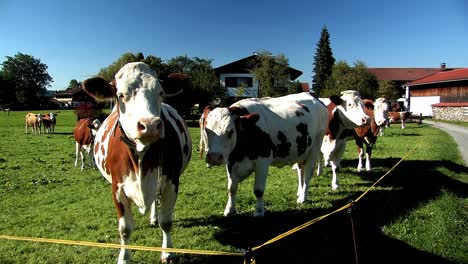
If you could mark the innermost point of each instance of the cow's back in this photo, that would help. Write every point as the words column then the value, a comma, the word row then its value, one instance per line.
column 290, row 122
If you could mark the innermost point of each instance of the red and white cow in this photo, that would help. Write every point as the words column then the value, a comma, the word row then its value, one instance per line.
column 367, row 135
column 381, row 108
column 395, row 116
column 345, row 113
column 202, row 146
column 49, row 122
column 141, row 148
column 253, row 134
column 84, row 133
column 34, row 121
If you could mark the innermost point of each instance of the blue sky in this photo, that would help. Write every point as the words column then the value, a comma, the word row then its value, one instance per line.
column 78, row 38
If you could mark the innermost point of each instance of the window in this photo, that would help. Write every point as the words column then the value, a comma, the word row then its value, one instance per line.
column 238, row 81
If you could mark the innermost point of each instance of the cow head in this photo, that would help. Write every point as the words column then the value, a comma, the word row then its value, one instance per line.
column 94, row 126
column 350, row 107
column 139, row 95
column 381, row 111
column 222, row 127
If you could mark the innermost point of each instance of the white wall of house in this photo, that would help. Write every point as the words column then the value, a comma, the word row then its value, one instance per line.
column 234, row 91
column 422, row 104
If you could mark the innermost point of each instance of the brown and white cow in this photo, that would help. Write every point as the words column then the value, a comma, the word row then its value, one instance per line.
column 141, row 148
column 34, row 121
column 202, row 146
column 367, row 135
column 396, row 116
column 84, row 133
column 49, row 121
column 381, row 108
column 345, row 114
column 253, row 134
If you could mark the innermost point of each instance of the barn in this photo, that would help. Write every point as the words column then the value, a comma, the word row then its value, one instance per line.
column 443, row 95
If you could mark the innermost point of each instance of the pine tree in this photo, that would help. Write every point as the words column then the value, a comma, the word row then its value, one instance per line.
column 323, row 61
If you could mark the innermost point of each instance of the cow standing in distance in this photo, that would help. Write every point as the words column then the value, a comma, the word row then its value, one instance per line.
column 141, row 148
column 34, row 121
column 84, row 133
column 344, row 114
column 253, row 134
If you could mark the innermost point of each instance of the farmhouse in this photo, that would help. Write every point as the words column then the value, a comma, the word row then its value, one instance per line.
column 73, row 97
column 443, row 95
column 237, row 74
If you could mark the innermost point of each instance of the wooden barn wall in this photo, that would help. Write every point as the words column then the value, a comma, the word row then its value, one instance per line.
column 448, row 94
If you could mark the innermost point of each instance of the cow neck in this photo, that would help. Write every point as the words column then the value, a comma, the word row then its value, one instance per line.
column 123, row 136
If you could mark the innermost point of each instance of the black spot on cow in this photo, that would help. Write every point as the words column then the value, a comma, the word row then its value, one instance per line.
column 299, row 113
column 305, row 108
column 302, row 139
column 284, row 147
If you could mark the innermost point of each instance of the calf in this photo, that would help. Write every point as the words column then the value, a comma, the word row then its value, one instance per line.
column 141, row 149
column 253, row 134
column 345, row 114
column 84, row 133
column 34, row 121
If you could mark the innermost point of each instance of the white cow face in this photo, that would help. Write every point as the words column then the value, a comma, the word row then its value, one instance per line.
column 221, row 136
column 139, row 96
column 352, row 109
column 95, row 127
column 381, row 109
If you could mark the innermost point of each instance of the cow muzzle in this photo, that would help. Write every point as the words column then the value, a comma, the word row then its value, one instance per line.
column 149, row 130
column 214, row 158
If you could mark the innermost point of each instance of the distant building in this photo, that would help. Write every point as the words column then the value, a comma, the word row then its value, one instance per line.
column 443, row 95
column 238, row 74
column 73, row 97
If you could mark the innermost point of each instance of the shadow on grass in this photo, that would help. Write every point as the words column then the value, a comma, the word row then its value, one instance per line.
column 331, row 240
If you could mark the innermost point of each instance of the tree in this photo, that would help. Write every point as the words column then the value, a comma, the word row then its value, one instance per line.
column 28, row 77
column 323, row 61
column 357, row 78
column 388, row 89
column 295, row 87
column 272, row 74
column 108, row 73
column 73, row 83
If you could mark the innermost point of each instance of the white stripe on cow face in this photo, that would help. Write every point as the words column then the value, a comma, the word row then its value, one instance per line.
column 221, row 136
column 140, row 96
column 381, row 111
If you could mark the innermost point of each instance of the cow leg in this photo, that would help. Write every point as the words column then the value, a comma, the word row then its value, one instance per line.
column 233, row 184
column 126, row 224
column 153, row 214
column 261, row 172
column 368, row 158
column 165, row 213
column 300, row 178
column 77, row 152
column 360, row 150
column 402, row 124
column 308, row 170
column 319, row 164
column 335, row 159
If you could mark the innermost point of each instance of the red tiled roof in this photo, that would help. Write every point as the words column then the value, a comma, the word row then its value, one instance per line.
column 445, row 76
column 305, row 87
column 450, row 104
column 402, row 74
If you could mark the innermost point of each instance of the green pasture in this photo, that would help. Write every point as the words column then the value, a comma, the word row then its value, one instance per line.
column 419, row 211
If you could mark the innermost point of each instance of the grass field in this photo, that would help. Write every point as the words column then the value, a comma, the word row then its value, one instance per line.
column 419, row 211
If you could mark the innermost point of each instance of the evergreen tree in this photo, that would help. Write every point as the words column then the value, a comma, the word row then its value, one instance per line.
column 323, row 61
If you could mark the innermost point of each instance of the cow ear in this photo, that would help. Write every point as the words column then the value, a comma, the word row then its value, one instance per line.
column 176, row 83
column 336, row 99
column 246, row 121
column 99, row 88
column 369, row 105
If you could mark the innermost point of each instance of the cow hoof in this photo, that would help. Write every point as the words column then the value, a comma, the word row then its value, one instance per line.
column 259, row 214
column 229, row 212
column 335, row 187
column 301, row 199
column 168, row 259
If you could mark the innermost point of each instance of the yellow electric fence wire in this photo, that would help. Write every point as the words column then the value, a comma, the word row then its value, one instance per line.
column 348, row 205
column 118, row 246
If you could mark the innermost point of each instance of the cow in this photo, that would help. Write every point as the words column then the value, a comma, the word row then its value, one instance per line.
column 381, row 108
column 53, row 118
column 34, row 121
column 84, row 133
column 367, row 135
column 344, row 114
column 141, row 148
column 47, row 121
column 253, row 134
column 203, row 138
column 394, row 116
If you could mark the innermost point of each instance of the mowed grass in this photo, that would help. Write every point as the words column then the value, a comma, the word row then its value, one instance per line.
column 418, row 211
